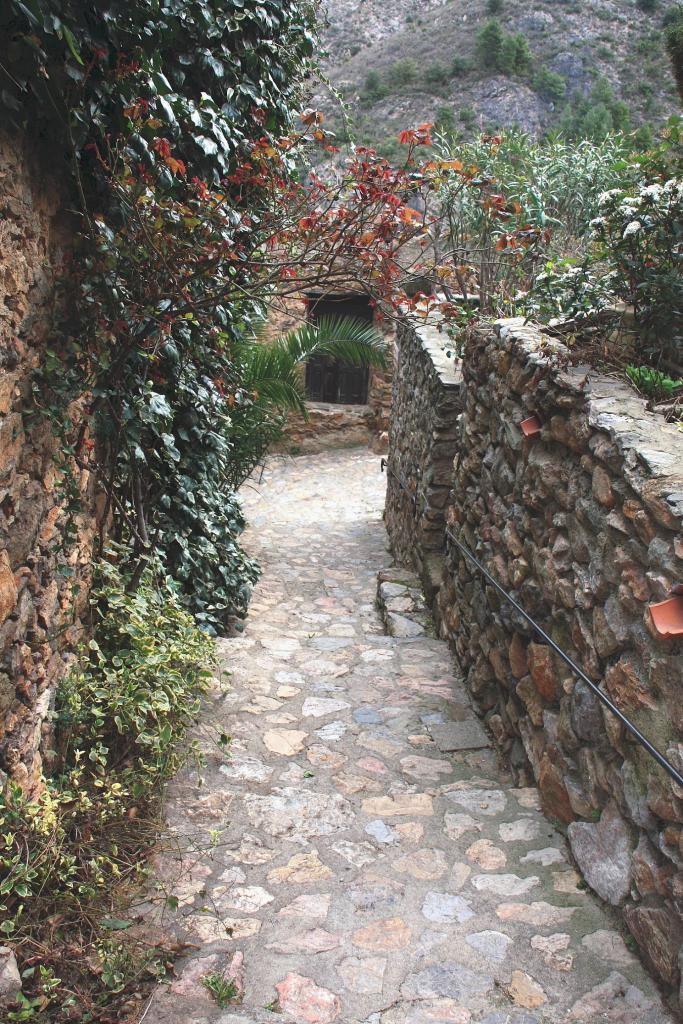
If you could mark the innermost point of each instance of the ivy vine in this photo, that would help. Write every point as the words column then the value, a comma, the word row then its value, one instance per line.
column 148, row 106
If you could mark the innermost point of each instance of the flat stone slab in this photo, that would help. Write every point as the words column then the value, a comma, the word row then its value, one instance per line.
column 451, row 736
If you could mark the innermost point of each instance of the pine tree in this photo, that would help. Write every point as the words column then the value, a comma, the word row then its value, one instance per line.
column 490, row 41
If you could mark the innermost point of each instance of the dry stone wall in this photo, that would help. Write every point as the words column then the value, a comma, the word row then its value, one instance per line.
column 583, row 523
column 43, row 578
column 423, row 439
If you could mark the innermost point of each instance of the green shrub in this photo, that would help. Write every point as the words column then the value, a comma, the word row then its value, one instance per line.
column 647, row 5
column 403, row 72
column 374, row 89
column 134, row 692
column 459, row 66
column 516, row 55
column 505, row 52
column 444, row 120
column 654, row 385
column 549, row 85
column 494, row 6
column 640, row 235
column 596, row 116
column 489, row 45
column 436, row 74
column 468, row 117
column 643, row 137
column 120, row 716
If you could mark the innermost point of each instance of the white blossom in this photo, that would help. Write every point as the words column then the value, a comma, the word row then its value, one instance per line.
column 632, row 228
column 653, row 192
column 605, row 197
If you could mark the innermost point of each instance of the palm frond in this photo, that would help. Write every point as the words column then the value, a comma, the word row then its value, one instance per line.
column 273, row 369
column 350, row 340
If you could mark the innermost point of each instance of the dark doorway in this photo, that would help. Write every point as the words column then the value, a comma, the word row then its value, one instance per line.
column 328, row 379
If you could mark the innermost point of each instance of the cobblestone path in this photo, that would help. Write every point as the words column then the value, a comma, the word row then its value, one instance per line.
column 346, row 861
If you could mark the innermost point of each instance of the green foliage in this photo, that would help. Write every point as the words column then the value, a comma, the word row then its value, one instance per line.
column 596, row 116
column 444, row 120
column 556, row 182
column 654, row 385
column 640, row 235
column 273, row 371
column 648, row 6
column 374, row 89
column 223, row 990
column 501, row 51
column 631, row 256
column 403, row 72
column 206, row 67
column 468, row 117
column 129, row 97
column 516, row 56
column 674, row 43
column 490, row 40
column 436, row 74
column 549, row 84
column 494, row 7
column 120, row 716
column 459, row 66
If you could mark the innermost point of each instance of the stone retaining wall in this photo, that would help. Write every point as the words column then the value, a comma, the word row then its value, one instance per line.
column 423, row 439
column 40, row 573
column 583, row 524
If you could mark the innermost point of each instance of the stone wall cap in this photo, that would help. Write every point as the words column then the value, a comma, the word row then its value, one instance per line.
column 435, row 344
column 652, row 449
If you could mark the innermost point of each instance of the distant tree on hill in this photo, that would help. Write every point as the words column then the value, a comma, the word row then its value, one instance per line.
column 490, row 41
column 501, row 51
column 674, row 44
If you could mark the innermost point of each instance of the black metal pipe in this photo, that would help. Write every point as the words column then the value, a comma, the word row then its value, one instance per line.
column 635, row 732
column 401, row 483
column 602, row 697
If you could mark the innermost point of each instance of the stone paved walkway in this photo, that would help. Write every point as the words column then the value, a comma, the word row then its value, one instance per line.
column 343, row 863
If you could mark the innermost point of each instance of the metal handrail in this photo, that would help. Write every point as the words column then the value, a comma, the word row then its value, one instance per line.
column 384, row 465
column 578, row 672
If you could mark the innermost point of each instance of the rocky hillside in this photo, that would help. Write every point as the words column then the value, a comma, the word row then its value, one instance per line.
column 540, row 63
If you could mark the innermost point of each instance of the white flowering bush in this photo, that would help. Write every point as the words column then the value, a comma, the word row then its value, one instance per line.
column 639, row 238
column 634, row 255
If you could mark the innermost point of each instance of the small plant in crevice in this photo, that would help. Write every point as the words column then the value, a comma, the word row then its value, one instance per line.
column 653, row 384
column 224, row 990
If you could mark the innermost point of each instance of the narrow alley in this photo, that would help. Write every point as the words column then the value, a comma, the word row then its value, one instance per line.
column 358, row 855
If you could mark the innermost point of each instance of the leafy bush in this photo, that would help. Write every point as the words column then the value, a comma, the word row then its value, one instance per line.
column 501, row 51
column 489, row 45
column 403, row 72
column 436, row 74
column 374, row 89
column 596, row 116
column 633, row 255
column 550, row 85
column 146, row 92
column 516, row 56
column 459, row 66
column 468, row 117
column 66, row 856
column 639, row 233
column 494, row 6
column 444, row 120
column 653, row 384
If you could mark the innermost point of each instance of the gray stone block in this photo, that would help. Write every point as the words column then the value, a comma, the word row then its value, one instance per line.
column 468, row 735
